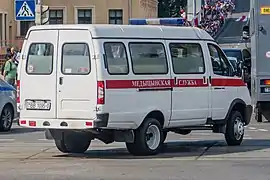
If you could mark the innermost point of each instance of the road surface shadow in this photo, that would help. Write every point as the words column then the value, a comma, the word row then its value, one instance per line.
column 178, row 149
column 20, row 130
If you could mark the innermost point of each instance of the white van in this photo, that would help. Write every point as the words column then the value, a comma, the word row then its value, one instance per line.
column 128, row 84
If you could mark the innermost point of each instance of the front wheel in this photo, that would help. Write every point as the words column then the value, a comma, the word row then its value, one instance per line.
column 258, row 115
column 6, row 118
column 148, row 139
column 235, row 129
column 73, row 142
column 165, row 133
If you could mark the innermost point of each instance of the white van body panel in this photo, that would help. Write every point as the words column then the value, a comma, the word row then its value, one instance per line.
column 76, row 93
column 38, row 86
column 191, row 94
column 130, row 97
column 72, row 99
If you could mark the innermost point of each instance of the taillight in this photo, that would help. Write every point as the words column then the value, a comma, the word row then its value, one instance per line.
column 100, row 92
column 18, row 91
column 267, row 82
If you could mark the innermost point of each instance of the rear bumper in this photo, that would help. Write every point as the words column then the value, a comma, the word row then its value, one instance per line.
column 99, row 122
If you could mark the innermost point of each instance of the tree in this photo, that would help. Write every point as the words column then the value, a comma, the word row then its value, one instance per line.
column 170, row 8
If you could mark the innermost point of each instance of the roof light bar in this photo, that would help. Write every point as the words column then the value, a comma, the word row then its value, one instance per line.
column 157, row 21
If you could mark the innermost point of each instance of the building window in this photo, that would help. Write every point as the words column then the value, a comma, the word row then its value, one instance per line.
column 56, row 16
column 24, row 26
column 84, row 16
column 115, row 16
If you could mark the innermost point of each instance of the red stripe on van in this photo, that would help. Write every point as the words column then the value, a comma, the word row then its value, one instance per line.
column 227, row 82
column 190, row 83
column 142, row 83
column 155, row 83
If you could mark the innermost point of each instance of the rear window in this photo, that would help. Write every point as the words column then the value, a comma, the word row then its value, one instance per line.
column 75, row 59
column 40, row 59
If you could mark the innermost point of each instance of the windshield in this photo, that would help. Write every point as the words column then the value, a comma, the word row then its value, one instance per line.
column 233, row 53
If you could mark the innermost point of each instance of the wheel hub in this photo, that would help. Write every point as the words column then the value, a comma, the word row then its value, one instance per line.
column 152, row 137
column 238, row 128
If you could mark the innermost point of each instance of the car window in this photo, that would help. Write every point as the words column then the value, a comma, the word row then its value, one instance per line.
column 220, row 63
column 40, row 59
column 75, row 59
column 148, row 58
column 187, row 58
column 234, row 53
column 116, row 57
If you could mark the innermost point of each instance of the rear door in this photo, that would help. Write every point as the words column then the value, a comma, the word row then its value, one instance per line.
column 38, row 75
column 76, row 78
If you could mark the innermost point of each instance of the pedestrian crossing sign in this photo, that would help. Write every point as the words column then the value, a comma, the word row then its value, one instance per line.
column 25, row 10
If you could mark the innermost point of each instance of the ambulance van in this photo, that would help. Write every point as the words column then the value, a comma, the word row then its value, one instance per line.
column 132, row 84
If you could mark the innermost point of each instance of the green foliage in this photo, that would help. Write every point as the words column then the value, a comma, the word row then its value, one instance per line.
column 170, row 8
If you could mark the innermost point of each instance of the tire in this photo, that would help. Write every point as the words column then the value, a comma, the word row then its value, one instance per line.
column 165, row 133
column 73, row 142
column 6, row 119
column 235, row 129
column 61, row 146
column 140, row 146
column 258, row 115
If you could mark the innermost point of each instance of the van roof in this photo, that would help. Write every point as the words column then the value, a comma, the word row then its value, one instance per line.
column 133, row 31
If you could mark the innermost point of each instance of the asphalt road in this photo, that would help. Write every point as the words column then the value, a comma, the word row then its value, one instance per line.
column 201, row 155
column 25, row 154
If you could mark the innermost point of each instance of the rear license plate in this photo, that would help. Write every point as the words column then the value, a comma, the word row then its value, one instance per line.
column 267, row 90
column 38, row 104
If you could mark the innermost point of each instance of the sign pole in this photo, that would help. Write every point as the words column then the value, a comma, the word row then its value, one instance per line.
column 38, row 19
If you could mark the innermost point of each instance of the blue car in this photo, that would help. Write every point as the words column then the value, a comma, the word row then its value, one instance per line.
column 8, row 105
column 239, row 54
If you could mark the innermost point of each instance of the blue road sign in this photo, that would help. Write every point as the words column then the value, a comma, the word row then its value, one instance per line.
column 25, row 10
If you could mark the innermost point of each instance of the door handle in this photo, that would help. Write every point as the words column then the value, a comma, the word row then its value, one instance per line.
column 61, row 80
column 204, row 80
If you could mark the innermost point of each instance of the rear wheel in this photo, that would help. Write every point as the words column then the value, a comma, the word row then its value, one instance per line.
column 73, row 142
column 258, row 115
column 148, row 139
column 235, row 129
column 165, row 133
column 6, row 118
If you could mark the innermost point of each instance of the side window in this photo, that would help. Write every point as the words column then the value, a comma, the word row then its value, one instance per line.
column 76, row 59
column 220, row 63
column 148, row 58
column 187, row 58
column 116, row 57
column 40, row 59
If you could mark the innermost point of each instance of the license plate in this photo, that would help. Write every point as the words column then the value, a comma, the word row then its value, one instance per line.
column 38, row 105
column 267, row 90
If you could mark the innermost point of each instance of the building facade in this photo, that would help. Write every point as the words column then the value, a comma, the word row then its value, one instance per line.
column 74, row 11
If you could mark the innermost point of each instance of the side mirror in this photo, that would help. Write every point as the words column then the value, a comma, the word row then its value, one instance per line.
column 245, row 32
